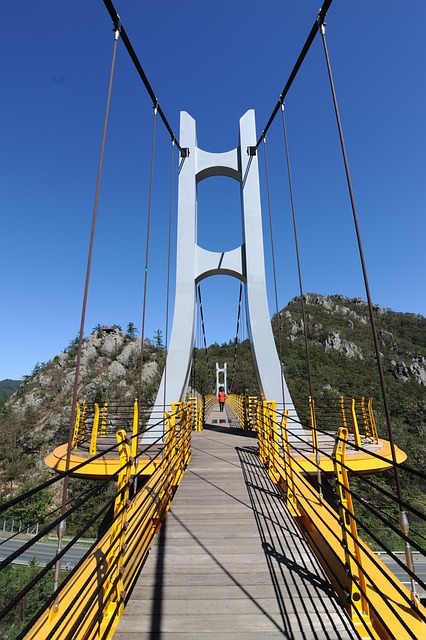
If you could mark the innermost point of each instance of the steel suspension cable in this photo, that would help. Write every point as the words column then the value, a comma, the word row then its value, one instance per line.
column 145, row 284
column 302, row 300
column 274, row 269
column 204, row 333
column 117, row 24
column 403, row 519
column 296, row 245
column 62, row 525
column 198, row 341
column 236, row 336
column 169, row 240
column 311, row 37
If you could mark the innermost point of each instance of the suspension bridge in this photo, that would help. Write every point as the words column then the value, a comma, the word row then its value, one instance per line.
column 247, row 522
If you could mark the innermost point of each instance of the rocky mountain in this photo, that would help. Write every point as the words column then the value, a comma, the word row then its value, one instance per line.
column 36, row 417
column 343, row 360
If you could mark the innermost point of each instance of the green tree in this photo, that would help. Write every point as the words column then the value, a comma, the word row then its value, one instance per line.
column 158, row 339
column 132, row 331
column 13, row 580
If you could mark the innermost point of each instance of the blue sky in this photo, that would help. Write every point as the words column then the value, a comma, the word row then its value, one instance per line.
column 214, row 60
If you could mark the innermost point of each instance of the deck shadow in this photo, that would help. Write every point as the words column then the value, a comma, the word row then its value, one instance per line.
column 306, row 600
column 235, row 431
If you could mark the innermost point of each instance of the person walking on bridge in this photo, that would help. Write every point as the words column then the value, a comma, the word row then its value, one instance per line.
column 221, row 396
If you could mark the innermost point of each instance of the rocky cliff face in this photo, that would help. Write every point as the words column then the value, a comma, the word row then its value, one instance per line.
column 341, row 324
column 109, row 370
column 343, row 361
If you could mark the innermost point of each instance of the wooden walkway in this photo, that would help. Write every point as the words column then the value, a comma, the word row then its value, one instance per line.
column 229, row 562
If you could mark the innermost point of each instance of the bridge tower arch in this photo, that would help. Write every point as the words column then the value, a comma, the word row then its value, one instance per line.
column 221, row 380
column 194, row 263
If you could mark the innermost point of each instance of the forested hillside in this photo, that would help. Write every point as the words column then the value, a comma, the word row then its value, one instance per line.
column 7, row 387
column 343, row 361
column 36, row 417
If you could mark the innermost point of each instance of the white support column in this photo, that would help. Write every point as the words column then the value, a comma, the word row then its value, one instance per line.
column 224, row 382
column 195, row 263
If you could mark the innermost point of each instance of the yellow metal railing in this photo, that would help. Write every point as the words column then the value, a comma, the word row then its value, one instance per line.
column 91, row 602
column 80, row 425
column 237, row 405
column 374, row 598
column 244, row 408
column 210, row 401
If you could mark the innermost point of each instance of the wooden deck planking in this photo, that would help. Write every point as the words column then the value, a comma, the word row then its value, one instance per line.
column 229, row 561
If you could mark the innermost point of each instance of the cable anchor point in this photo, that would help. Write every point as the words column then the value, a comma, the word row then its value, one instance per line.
column 321, row 22
column 117, row 28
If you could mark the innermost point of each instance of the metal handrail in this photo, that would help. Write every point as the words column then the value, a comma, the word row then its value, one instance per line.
column 92, row 596
column 374, row 598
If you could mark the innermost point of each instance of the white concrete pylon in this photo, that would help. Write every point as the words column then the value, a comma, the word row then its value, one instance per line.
column 194, row 263
column 221, row 381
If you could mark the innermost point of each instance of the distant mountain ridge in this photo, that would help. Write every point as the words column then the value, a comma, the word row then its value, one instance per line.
column 35, row 418
column 343, row 362
column 8, row 386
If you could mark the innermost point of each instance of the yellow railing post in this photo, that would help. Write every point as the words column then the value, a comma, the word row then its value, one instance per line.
column 195, row 409
column 245, row 421
column 135, row 429
column 169, row 459
column 252, row 412
column 267, row 432
column 200, row 414
column 94, row 436
column 273, row 444
column 315, row 443
column 113, row 592
column 170, row 444
column 102, row 431
column 358, row 606
column 343, row 411
column 373, row 421
column 288, row 468
column 261, row 432
column 355, row 425
column 76, row 434
column 187, row 428
column 177, row 417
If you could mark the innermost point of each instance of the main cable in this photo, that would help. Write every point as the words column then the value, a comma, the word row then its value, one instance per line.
column 315, row 28
column 117, row 24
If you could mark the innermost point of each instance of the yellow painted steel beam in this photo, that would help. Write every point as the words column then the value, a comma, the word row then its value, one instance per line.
column 90, row 604
column 343, row 555
column 87, row 588
column 99, row 469
column 359, row 462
